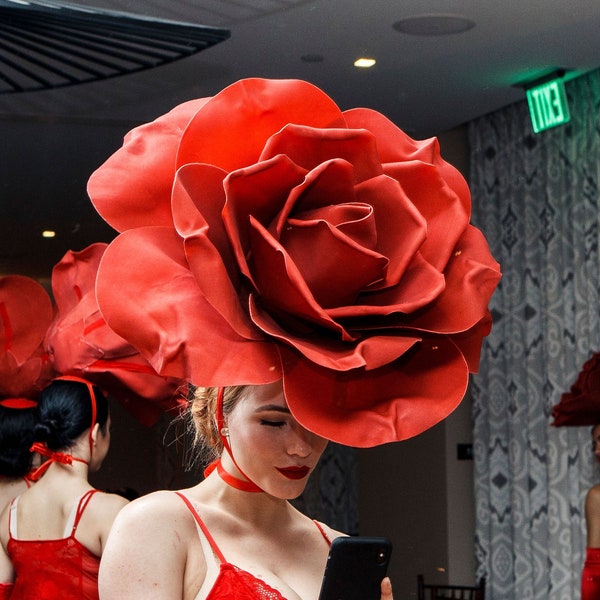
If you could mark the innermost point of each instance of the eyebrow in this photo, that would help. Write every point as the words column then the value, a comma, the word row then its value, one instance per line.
column 274, row 408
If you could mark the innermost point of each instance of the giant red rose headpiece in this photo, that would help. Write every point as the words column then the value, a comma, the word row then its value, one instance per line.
column 266, row 234
column 80, row 343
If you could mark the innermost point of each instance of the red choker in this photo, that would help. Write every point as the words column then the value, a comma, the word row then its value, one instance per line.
column 229, row 479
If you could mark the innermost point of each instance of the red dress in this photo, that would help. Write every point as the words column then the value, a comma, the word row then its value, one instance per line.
column 61, row 569
column 233, row 583
column 590, row 577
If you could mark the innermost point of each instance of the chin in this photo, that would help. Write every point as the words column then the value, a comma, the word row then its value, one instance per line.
column 291, row 491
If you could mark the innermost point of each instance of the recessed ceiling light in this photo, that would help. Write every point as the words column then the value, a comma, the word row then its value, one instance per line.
column 364, row 63
column 433, row 25
column 312, row 58
column 48, row 233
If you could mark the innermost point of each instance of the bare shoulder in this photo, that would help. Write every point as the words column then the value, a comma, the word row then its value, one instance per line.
column 331, row 533
column 153, row 515
column 592, row 499
column 147, row 552
column 109, row 503
column 155, row 504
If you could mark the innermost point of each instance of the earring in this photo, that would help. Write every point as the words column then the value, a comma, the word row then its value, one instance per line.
column 224, row 431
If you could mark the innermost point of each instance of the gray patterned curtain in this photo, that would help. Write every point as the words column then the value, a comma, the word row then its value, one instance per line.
column 331, row 495
column 536, row 199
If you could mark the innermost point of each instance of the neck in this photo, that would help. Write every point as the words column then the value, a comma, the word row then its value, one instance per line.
column 244, row 485
column 58, row 461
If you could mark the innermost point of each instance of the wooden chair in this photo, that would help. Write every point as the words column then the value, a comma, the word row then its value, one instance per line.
column 453, row 592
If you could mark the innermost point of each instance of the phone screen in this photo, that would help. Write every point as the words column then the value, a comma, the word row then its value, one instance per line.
column 355, row 567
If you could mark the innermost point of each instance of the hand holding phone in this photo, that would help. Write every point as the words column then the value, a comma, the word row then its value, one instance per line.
column 355, row 567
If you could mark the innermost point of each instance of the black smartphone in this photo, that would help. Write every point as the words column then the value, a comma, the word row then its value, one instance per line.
column 355, row 567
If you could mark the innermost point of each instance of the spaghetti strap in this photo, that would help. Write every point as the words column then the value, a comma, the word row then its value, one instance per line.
column 203, row 527
column 322, row 530
column 83, row 502
column 12, row 518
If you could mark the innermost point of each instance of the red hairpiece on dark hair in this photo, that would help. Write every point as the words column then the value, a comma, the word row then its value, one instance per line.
column 25, row 315
column 83, row 346
column 18, row 403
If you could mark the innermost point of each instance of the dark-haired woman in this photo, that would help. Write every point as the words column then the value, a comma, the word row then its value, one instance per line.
column 54, row 533
column 17, row 420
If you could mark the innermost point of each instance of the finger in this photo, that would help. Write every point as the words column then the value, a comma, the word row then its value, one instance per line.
column 386, row 589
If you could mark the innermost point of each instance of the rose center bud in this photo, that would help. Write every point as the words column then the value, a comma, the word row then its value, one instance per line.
column 346, row 262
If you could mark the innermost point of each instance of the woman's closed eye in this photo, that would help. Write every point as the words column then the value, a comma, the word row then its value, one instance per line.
column 269, row 423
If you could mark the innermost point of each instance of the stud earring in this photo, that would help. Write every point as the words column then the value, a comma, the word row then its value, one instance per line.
column 224, row 431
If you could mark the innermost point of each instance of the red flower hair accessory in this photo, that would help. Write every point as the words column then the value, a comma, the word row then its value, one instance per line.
column 266, row 234
column 25, row 315
column 581, row 405
column 82, row 345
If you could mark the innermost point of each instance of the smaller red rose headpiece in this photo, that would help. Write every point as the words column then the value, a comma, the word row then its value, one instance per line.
column 81, row 344
column 25, row 315
column 581, row 405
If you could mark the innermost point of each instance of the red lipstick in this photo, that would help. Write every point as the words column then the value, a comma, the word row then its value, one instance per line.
column 294, row 472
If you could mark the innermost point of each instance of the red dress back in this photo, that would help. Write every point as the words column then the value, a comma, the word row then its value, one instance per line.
column 53, row 569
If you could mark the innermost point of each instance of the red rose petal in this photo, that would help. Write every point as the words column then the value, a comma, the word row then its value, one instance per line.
column 310, row 147
column 367, row 408
column 25, row 314
column 401, row 230
column 259, row 192
column 27, row 379
column 335, row 185
column 392, row 142
column 420, row 285
column 469, row 342
column 231, row 129
column 156, row 304
column 370, row 352
column 133, row 187
column 471, row 278
column 446, row 214
column 343, row 268
column 74, row 276
column 395, row 146
column 278, row 280
column 198, row 199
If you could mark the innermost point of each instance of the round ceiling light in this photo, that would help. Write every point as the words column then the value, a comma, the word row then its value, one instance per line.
column 433, row 25
column 312, row 58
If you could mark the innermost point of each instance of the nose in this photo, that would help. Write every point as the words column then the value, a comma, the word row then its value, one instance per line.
column 300, row 442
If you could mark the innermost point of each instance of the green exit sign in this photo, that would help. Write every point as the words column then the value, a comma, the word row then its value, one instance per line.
column 548, row 105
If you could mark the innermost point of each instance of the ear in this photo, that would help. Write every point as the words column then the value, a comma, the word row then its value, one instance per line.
column 95, row 432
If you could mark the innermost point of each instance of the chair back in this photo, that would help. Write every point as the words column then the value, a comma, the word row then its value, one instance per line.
column 429, row 591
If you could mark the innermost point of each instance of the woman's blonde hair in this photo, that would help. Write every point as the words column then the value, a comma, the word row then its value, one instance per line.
column 203, row 417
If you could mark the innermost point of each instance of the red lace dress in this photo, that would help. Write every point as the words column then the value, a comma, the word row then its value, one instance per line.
column 53, row 569
column 233, row 583
column 590, row 577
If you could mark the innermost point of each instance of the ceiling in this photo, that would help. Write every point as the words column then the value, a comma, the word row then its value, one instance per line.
column 427, row 84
